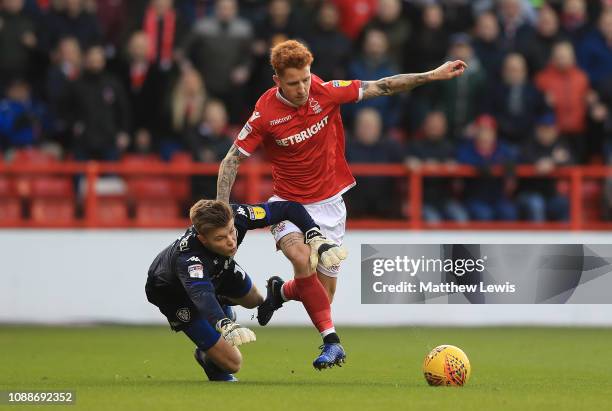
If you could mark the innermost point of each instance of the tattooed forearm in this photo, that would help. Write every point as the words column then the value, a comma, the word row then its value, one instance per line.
column 395, row 84
column 227, row 173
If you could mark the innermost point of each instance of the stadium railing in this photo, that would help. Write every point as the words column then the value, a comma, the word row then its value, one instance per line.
column 253, row 187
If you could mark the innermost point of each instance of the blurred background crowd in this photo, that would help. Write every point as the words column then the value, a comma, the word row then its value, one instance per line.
column 106, row 79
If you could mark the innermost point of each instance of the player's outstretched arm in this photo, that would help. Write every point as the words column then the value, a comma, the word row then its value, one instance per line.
column 388, row 86
column 227, row 173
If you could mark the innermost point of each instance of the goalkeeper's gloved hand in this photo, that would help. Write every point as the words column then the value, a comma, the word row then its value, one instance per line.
column 234, row 333
column 322, row 249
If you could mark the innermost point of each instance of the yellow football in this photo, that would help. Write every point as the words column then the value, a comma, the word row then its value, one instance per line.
column 446, row 365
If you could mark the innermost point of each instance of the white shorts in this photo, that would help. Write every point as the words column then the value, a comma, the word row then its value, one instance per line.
column 330, row 216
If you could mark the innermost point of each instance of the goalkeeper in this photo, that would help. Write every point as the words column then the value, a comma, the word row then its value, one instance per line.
column 195, row 280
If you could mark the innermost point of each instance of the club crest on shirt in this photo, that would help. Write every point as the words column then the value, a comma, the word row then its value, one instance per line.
column 183, row 314
column 314, row 105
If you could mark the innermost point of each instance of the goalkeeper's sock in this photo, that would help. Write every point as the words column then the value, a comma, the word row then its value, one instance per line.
column 313, row 296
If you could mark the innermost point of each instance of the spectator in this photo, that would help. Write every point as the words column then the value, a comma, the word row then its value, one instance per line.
column 595, row 51
column 537, row 46
column 100, row 110
column 220, row 46
column 459, row 15
column 209, row 142
column 145, row 82
column 566, row 88
column 488, row 198
column 165, row 31
column 69, row 18
column 354, row 15
column 487, row 45
column 514, row 23
column 331, row 48
column 23, row 120
column 461, row 97
column 515, row 102
column 601, row 112
column 575, row 20
column 376, row 196
column 113, row 19
column 143, row 143
column 184, row 109
column 389, row 20
column 372, row 64
column 64, row 71
column 436, row 149
column 66, row 68
column 279, row 24
column 539, row 199
column 17, row 41
column 429, row 46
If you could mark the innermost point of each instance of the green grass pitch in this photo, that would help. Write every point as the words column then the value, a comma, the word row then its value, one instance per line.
column 151, row 368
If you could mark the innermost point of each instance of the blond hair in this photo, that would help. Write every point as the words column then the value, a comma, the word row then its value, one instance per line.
column 206, row 215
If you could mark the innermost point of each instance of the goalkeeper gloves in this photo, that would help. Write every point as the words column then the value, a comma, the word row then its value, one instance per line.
column 323, row 249
column 234, row 333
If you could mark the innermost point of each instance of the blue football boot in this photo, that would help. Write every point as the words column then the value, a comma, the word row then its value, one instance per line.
column 331, row 354
column 212, row 371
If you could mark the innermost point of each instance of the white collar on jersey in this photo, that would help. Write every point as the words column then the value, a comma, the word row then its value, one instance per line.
column 283, row 99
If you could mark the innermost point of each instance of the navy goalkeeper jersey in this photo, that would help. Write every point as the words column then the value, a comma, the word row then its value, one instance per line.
column 188, row 270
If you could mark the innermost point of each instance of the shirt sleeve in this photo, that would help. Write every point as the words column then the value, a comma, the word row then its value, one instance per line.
column 250, row 217
column 344, row 91
column 194, row 274
column 251, row 135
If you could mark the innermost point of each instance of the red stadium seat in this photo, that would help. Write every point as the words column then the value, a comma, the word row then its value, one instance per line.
column 52, row 211
column 10, row 205
column 52, row 187
column 592, row 192
column 52, row 200
column 112, row 210
column 181, row 157
column 10, row 210
column 151, row 188
column 154, row 200
column 153, row 212
column 7, row 187
column 32, row 156
column 141, row 159
column 23, row 183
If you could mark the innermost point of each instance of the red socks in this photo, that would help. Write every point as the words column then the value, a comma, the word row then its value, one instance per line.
column 313, row 296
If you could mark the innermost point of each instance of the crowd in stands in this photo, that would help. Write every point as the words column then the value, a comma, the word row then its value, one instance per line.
column 102, row 79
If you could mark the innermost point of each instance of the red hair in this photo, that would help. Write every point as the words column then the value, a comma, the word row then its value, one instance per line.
column 290, row 54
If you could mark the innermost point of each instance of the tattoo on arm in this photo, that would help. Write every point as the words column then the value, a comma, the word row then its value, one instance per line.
column 388, row 86
column 227, row 173
column 291, row 240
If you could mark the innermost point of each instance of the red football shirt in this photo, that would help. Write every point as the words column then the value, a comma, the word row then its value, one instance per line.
column 305, row 144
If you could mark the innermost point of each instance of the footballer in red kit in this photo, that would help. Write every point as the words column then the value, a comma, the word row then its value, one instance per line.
column 298, row 124
column 305, row 144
